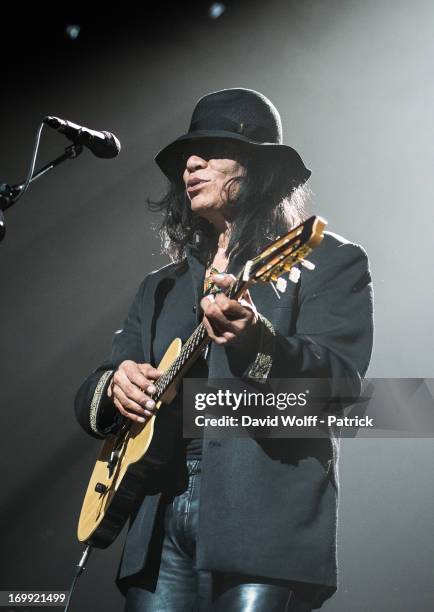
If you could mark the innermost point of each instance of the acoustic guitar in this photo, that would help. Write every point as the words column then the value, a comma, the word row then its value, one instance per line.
column 128, row 457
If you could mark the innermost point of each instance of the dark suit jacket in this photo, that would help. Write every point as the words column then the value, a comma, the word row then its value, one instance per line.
column 267, row 508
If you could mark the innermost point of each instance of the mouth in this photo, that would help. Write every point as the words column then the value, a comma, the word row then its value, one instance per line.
column 195, row 185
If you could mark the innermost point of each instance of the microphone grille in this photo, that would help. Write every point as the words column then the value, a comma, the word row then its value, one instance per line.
column 114, row 141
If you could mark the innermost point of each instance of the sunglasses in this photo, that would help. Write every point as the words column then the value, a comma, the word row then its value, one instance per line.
column 212, row 150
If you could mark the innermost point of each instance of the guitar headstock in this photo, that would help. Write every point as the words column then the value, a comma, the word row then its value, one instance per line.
column 285, row 252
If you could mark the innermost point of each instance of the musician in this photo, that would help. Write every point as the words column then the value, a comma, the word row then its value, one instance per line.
column 234, row 525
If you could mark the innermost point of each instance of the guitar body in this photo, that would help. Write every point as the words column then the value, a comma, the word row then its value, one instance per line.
column 110, row 498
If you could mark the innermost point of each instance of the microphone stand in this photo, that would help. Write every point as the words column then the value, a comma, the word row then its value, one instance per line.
column 9, row 194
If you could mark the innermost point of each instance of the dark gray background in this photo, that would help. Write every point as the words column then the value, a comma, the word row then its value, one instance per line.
column 354, row 85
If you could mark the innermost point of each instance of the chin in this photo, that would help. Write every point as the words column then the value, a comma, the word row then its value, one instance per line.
column 199, row 203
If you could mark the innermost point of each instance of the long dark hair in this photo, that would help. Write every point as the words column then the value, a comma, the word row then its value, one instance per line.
column 265, row 205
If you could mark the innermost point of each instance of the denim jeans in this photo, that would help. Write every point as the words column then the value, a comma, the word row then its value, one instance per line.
column 181, row 588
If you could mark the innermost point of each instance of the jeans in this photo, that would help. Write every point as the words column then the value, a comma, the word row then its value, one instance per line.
column 181, row 588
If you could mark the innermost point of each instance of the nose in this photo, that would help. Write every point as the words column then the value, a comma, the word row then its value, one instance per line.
column 194, row 162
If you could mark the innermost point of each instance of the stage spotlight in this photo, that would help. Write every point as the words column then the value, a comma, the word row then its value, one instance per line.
column 216, row 10
column 72, row 31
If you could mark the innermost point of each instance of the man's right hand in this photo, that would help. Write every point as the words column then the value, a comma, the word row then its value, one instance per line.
column 131, row 389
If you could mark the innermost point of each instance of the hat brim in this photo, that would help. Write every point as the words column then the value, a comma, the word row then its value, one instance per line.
column 171, row 159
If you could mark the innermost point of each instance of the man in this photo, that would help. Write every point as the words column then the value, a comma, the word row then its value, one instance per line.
column 238, row 524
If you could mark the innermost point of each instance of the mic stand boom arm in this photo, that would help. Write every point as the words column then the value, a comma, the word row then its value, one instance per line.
column 9, row 194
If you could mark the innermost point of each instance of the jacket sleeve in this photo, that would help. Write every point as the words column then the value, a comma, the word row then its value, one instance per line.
column 334, row 327
column 94, row 410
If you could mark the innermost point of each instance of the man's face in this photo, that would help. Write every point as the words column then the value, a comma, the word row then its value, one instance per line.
column 207, row 172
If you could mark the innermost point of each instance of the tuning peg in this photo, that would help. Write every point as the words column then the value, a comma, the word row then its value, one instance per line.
column 307, row 264
column 294, row 275
column 281, row 284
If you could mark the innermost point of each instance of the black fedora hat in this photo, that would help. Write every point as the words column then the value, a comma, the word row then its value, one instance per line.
column 241, row 116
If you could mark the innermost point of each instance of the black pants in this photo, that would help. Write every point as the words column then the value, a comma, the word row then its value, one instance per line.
column 181, row 588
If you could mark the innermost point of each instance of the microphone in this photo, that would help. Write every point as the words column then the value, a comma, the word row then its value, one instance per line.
column 102, row 144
